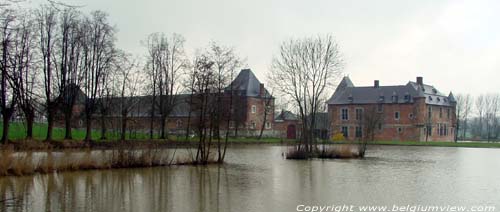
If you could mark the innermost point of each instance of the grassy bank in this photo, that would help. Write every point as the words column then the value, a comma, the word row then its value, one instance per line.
column 17, row 131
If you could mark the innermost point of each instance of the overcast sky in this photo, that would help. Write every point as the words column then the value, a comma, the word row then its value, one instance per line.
column 453, row 44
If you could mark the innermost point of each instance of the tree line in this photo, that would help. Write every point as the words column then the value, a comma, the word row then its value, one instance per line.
column 478, row 117
column 51, row 53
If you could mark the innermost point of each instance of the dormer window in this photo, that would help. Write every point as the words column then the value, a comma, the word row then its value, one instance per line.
column 438, row 99
column 430, row 98
column 394, row 98
column 407, row 97
column 350, row 98
column 434, row 90
column 381, row 98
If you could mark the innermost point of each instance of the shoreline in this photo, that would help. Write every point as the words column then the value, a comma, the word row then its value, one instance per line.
column 37, row 145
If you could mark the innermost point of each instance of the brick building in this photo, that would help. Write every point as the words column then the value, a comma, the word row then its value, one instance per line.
column 253, row 109
column 411, row 112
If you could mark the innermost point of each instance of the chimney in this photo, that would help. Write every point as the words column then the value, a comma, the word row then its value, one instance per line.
column 420, row 80
column 376, row 84
column 262, row 91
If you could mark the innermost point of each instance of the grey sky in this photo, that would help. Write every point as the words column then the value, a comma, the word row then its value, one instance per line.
column 452, row 44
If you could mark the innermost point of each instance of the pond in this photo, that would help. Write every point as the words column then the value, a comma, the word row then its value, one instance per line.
column 257, row 178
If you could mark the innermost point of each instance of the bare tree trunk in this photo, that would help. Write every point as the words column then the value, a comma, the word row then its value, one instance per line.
column 67, row 124
column 30, row 119
column 88, row 129
column 50, row 122
column 123, row 128
column 103, row 127
column 6, row 115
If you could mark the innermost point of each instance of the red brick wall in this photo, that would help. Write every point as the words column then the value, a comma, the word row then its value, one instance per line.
column 412, row 129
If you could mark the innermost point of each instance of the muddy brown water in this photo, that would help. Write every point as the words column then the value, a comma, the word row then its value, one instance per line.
column 257, row 178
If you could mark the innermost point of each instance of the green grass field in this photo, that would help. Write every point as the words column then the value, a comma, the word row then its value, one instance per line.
column 17, row 131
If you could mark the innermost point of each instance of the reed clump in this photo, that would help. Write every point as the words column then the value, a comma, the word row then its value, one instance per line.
column 22, row 163
column 333, row 152
column 340, row 151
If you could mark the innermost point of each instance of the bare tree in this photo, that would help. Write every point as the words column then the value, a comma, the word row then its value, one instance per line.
column 480, row 109
column 467, row 108
column 171, row 62
column 8, row 66
column 203, row 104
column 370, row 121
column 153, row 70
column 46, row 18
column 268, row 108
column 225, row 62
column 491, row 114
column 303, row 71
column 99, row 52
column 24, row 77
column 70, row 72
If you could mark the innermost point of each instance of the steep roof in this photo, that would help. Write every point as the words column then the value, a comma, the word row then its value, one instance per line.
column 286, row 115
column 349, row 94
column 247, row 84
column 140, row 106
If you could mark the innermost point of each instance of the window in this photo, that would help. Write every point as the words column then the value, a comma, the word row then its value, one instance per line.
column 345, row 131
column 268, row 125
column 429, row 112
column 380, row 108
column 407, row 97
column 344, row 114
column 379, row 126
column 359, row 132
column 394, row 98
column 396, row 115
column 448, row 113
column 359, row 114
column 440, row 112
column 400, row 130
column 178, row 123
column 410, row 115
column 429, row 130
column 443, row 129
column 252, row 125
column 254, row 109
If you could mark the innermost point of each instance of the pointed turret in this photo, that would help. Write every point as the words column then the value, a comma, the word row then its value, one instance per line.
column 346, row 82
column 451, row 98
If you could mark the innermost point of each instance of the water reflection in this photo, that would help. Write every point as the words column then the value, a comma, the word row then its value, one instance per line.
column 256, row 178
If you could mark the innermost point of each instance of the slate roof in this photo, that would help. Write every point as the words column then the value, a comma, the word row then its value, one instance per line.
column 286, row 115
column 247, row 84
column 347, row 93
column 141, row 106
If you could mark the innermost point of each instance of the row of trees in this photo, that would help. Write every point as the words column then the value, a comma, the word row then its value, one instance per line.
column 48, row 54
column 478, row 117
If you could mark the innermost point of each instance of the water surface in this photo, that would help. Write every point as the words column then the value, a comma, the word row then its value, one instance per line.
column 257, row 178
